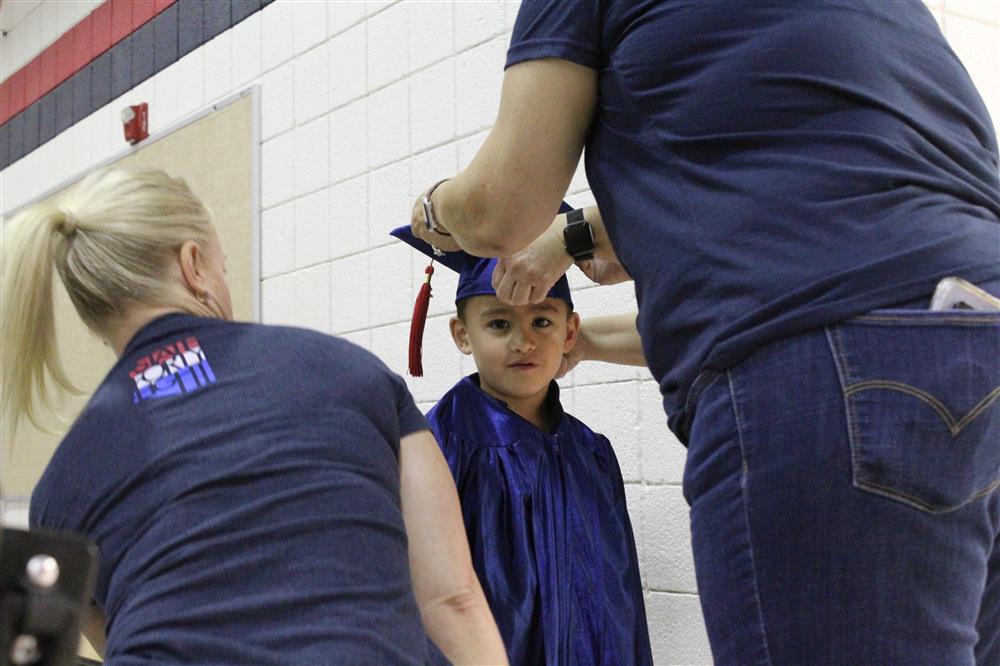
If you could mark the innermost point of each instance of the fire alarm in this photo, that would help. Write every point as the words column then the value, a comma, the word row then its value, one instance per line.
column 136, row 122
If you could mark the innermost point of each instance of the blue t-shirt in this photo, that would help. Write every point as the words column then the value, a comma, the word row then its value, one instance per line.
column 242, row 484
column 767, row 167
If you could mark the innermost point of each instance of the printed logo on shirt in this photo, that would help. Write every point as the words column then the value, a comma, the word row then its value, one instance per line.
column 173, row 369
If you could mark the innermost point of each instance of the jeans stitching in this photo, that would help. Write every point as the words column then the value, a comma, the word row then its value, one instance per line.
column 745, row 492
column 978, row 409
column 701, row 384
column 920, row 318
column 954, row 427
column 918, row 503
column 843, row 373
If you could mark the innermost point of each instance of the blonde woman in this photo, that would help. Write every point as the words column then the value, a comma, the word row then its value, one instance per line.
column 259, row 494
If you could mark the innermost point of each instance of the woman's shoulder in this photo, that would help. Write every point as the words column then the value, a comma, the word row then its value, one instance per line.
column 308, row 345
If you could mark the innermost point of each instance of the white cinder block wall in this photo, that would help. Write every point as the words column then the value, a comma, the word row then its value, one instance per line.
column 363, row 105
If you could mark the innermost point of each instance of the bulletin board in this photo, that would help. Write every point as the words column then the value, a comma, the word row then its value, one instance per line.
column 217, row 152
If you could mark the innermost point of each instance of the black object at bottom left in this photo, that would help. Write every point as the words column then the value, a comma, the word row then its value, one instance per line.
column 46, row 582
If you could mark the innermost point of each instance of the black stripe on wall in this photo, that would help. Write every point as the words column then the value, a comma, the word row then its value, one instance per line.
column 169, row 36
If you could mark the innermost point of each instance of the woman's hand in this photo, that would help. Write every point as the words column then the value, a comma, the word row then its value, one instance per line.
column 578, row 352
column 418, row 225
column 603, row 271
column 527, row 276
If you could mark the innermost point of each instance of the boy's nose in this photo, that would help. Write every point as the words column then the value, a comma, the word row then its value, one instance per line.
column 522, row 342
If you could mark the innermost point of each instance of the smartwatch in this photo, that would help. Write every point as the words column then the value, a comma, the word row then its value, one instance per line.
column 578, row 236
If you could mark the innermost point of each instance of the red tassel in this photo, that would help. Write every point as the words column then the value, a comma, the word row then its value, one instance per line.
column 418, row 322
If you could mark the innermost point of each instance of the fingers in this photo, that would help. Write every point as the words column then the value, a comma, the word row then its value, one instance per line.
column 498, row 272
column 516, row 292
column 520, row 293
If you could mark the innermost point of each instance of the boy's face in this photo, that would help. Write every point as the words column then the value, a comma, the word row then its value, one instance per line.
column 517, row 349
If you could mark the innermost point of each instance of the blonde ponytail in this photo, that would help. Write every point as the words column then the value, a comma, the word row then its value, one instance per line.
column 109, row 239
column 27, row 324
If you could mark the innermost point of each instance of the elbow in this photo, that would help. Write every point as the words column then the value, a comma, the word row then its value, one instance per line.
column 465, row 601
column 489, row 245
column 492, row 224
column 499, row 234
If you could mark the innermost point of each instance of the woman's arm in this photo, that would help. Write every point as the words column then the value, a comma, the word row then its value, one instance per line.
column 452, row 605
column 509, row 192
column 526, row 276
column 612, row 339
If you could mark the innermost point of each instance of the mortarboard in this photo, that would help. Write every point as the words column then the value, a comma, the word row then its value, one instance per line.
column 475, row 277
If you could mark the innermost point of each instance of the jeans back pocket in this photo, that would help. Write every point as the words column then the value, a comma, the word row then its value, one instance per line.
column 922, row 397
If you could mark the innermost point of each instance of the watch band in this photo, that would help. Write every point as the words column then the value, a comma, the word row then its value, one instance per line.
column 430, row 221
column 578, row 236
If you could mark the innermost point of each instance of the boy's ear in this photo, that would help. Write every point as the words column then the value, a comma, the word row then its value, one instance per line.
column 572, row 330
column 460, row 334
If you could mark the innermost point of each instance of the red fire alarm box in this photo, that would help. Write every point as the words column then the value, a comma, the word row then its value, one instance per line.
column 136, row 122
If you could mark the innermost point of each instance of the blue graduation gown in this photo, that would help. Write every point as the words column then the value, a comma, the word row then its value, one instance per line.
column 548, row 529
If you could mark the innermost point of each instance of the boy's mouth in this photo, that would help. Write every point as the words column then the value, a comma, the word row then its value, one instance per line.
column 522, row 365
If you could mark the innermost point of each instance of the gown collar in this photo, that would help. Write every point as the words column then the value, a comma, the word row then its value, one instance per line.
column 470, row 388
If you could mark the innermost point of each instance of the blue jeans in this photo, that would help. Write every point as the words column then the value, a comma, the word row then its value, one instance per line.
column 843, row 491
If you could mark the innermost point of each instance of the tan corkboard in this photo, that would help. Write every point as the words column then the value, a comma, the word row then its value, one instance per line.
column 214, row 154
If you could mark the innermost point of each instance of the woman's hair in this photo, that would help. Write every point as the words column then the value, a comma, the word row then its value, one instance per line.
column 110, row 238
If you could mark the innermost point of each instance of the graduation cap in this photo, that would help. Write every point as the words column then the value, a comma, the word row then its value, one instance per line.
column 475, row 277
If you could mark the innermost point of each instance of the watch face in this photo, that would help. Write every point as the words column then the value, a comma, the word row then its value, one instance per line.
column 579, row 238
column 428, row 215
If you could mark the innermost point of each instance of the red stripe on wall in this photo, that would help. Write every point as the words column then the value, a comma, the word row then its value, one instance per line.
column 47, row 75
column 121, row 20
column 101, row 31
column 32, row 80
column 142, row 11
column 83, row 44
column 16, row 98
column 64, row 57
column 104, row 27
column 4, row 101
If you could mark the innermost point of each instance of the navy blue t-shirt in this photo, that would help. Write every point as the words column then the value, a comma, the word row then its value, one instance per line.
column 242, row 484
column 767, row 167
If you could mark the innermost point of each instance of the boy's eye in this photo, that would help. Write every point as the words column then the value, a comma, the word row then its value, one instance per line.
column 498, row 324
column 542, row 322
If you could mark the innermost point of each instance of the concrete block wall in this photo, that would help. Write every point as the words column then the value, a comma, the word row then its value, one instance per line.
column 363, row 105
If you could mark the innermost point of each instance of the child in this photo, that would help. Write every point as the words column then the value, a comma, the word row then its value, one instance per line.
column 542, row 495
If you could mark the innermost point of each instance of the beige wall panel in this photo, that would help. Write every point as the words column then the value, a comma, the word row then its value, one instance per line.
column 214, row 154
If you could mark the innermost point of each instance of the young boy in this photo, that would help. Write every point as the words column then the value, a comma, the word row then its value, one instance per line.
column 542, row 495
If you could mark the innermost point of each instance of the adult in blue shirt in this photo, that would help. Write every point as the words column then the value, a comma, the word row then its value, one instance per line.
column 786, row 182
column 259, row 494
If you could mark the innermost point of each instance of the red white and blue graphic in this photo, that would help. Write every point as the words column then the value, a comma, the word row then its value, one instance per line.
column 173, row 369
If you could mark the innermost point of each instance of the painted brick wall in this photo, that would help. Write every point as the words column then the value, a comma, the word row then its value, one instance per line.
column 363, row 105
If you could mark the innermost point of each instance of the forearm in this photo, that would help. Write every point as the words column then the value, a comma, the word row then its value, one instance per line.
column 463, row 628
column 612, row 339
column 510, row 191
column 451, row 601
column 488, row 209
